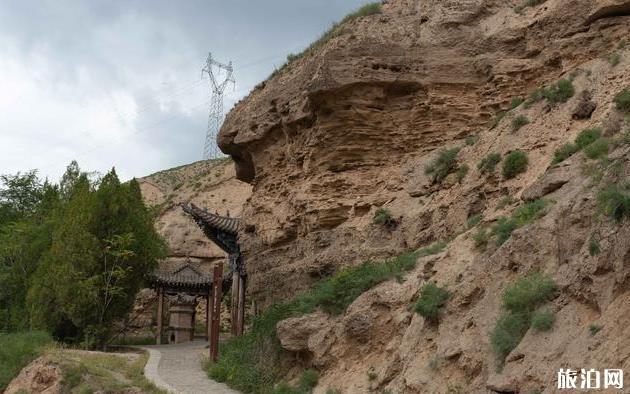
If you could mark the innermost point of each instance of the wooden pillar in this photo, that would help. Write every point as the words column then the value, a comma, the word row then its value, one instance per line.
column 241, row 306
column 217, row 287
column 208, row 314
column 234, row 303
column 160, row 309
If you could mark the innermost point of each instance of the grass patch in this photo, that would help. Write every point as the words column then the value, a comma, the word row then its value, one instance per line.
column 503, row 229
column 614, row 59
column 564, row 152
column 514, row 164
column 505, row 201
column 474, row 220
column 522, row 216
column 432, row 299
column 519, row 122
column 497, row 119
column 480, row 238
column 594, row 248
column 488, row 164
column 520, row 301
column 17, row 350
column 614, row 201
column 461, row 172
column 472, row 139
column 622, row 100
column 383, row 216
column 444, row 164
column 252, row 363
column 559, row 92
column 587, row 137
column 516, row 102
column 102, row 372
column 543, row 319
column 597, row 149
column 594, row 329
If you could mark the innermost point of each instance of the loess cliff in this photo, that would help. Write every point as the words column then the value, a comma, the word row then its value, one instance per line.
column 350, row 128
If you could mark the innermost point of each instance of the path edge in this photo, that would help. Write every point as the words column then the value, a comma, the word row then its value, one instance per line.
column 151, row 371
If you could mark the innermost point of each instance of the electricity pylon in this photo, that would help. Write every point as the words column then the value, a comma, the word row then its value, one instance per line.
column 215, row 119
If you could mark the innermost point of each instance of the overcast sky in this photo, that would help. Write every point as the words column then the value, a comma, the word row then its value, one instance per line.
column 117, row 83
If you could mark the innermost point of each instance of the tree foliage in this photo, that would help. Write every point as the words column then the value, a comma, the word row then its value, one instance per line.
column 75, row 254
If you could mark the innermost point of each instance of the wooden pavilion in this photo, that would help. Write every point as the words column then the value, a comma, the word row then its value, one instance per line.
column 187, row 283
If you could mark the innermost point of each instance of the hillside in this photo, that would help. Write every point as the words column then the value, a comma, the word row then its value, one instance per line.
column 442, row 119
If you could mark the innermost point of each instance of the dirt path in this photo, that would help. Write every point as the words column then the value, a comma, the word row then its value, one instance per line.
column 178, row 369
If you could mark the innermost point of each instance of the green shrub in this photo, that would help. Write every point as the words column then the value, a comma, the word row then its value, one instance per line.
column 614, row 201
column 497, row 119
column 587, row 137
column 17, row 350
column 535, row 96
column 488, row 164
column 434, row 363
column 542, row 320
column 520, row 300
column 594, row 247
column 622, row 100
column 432, row 249
column 462, row 171
column 384, row 216
column 527, row 293
column 444, row 164
column 516, row 101
column 507, row 334
column 622, row 44
column 560, row 92
column 614, row 59
column 519, row 122
column 432, row 299
column 250, row 362
column 472, row 139
column 480, row 238
column 309, row 380
column 597, row 149
column 372, row 376
column 474, row 220
column 529, row 212
column 514, row 164
column 594, row 329
column 503, row 229
column 564, row 152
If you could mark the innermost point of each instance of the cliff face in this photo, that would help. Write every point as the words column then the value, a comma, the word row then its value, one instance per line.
column 350, row 127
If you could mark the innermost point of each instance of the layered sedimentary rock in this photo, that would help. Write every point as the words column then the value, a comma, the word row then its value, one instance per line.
column 350, row 127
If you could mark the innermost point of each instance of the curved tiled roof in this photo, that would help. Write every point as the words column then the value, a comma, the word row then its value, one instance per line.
column 186, row 276
column 223, row 223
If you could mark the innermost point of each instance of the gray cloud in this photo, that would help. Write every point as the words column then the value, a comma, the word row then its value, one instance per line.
column 116, row 83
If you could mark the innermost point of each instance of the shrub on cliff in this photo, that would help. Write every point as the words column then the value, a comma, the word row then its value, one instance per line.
column 622, row 100
column 444, row 164
column 519, row 122
column 384, row 217
column 522, row 216
column 520, row 301
column 559, row 92
column 587, row 137
column 597, row 149
column 564, row 152
column 432, row 299
column 488, row 164
column 514, row 164
column 614, row 201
